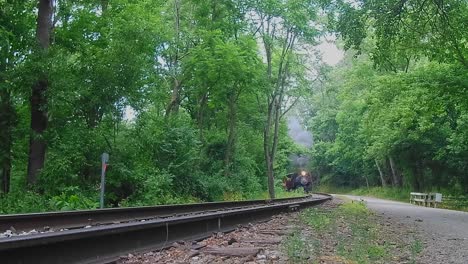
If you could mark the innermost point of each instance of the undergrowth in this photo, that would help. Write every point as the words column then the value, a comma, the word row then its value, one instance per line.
column 73, row 198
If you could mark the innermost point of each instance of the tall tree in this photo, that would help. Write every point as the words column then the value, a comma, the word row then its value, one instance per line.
column 38, row 100
column 6, row 105
column 7, row 117
column 281, row 26
column 174, row 61
column 382, row 178
column 16, row 37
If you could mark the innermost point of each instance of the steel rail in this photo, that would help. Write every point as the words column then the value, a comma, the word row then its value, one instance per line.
column 104, row 244
column 81, row 218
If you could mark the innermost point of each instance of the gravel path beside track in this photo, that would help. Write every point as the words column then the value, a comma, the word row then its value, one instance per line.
column 444, row 232
column 269, row 242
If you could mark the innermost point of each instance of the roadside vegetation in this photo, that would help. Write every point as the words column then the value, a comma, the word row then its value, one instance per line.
column 349, row 233
column 30, row 202
column 395, row 112
column 403, row 130
column 453, row 202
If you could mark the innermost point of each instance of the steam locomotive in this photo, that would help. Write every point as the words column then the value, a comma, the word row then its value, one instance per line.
column 299, row 179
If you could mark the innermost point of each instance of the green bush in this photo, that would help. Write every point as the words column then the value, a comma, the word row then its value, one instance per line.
column 23, row 202
column 67, row 202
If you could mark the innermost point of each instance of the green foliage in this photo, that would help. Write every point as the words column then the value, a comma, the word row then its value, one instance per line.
column 411, row 118
column 148, row 187
column 23, row 202
column 72, row 199
column 404, row 30
column 186, row 97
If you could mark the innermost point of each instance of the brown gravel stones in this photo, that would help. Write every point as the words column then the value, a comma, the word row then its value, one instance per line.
column 255, row 243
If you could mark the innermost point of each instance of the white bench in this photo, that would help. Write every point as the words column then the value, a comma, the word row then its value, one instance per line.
column 426, row 199
column 433, row 199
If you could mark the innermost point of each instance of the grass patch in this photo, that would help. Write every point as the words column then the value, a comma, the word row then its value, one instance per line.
column 349, row 229
column 296, row 248
column 416, row 248
column 316, row 218
column 360, row 245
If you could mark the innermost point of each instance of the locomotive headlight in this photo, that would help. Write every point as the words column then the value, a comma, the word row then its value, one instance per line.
column 303, row 173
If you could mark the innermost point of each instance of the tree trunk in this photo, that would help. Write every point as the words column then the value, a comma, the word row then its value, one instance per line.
column 266, row 149
column 104, row 5
column 417, row 183
column 201, row 115
column 395, row 173
column 271, row 173
column 269, row 165
column 6, row 174
column 271, row 179
column 367, row 182
column 37, row 144
column 7, row 116
column 382, row 178
column 230, row 146
column 173, row 106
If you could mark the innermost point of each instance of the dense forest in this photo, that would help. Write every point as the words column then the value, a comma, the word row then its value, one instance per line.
column 191, row 98
column 395, row 112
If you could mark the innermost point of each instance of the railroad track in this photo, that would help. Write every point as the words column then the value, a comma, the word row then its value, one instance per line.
column 101, row 236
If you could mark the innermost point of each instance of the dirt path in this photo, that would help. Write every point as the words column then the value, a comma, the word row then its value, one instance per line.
column 444, row 232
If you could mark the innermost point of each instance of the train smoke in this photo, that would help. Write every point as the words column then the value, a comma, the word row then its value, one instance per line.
column 298, row 134
column 301, row 137
column 299, row 161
